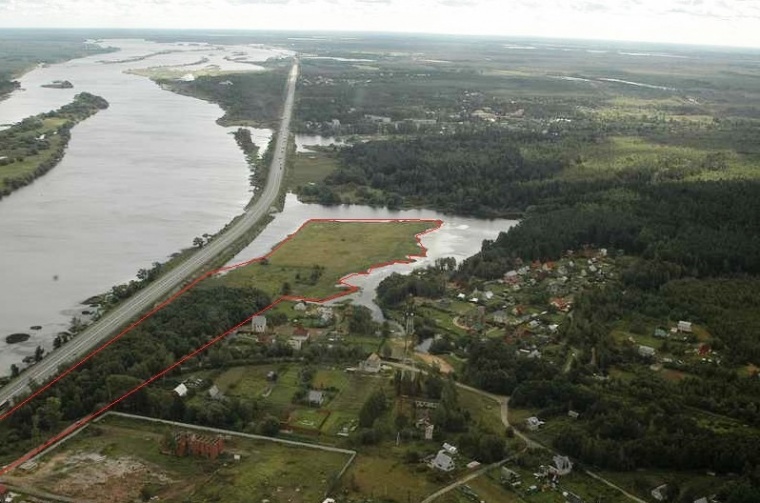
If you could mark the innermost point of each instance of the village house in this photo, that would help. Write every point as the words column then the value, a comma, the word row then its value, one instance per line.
column 560, row 304
column 325, row 314
column 259, row 324
column 3, row 493
column 533, row 423
column 443, row 461
column 181, row 390
column 214, row 393
column 500, row 317
column 511, row 277
column 298, row 341
column 684, row 326
column 573, row 414
column 646, row 351
column 660, row 333
column 371, row 365
column 316, row 397
column 562, row 465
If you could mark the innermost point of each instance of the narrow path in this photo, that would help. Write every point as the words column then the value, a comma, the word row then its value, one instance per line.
column 463, row 481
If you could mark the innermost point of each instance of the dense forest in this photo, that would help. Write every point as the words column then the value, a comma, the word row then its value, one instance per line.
column 246, row 98
column 471, row 173
column 707, row 228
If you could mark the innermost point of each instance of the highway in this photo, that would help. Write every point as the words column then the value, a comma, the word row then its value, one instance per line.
column 113, row 322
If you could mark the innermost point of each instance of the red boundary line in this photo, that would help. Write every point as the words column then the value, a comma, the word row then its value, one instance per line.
column 342, row 281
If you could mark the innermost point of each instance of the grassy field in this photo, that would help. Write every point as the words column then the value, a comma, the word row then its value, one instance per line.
column 485, row 411
column 17, row 148
column 340, row 411
column 379, row 473
column 321, row 253
column 310, row 167
column 122, row 457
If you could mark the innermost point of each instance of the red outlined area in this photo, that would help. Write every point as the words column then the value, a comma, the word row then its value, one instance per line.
column 348, row 290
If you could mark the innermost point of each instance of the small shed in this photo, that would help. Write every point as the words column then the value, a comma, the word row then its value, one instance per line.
column 181, row 390
column 214, row 393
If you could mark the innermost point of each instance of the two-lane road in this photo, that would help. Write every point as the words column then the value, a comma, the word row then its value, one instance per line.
column 112, row 323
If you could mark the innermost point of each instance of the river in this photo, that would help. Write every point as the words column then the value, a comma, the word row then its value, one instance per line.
column 138, row 182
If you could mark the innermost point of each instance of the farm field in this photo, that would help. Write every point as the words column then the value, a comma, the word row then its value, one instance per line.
column 345, row 392
column 122, row 457
column 320, row 253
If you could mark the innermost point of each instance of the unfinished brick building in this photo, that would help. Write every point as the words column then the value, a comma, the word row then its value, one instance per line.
column 191, row 444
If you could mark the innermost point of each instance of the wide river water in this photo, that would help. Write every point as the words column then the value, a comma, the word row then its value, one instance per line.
column 138, row 182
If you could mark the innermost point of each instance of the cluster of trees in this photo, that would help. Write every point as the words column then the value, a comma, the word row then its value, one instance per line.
column 162, row 339
column 706, row 228
column 469, row 173
column 245, row 97
column 493, row 366
column 397, row 288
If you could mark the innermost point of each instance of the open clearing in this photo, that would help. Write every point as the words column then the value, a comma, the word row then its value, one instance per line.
column 120, row 460
column 311, row 263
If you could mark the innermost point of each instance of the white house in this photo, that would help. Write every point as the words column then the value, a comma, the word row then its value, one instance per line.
column 181, row 390
column 297, row 341
column 371, row 365
column 449, row 448
column 534, row 423
column 646, row 351
column 500, row 317
column 259, row 324
column 684, row 326
column 563, row 465
column 316, row 397
column 443, row 461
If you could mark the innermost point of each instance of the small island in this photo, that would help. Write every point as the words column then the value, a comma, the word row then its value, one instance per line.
column 59, row 84
column 32, row 147
column 16, row 338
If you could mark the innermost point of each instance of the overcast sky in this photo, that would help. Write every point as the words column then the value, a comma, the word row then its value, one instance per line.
column 715, row 22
